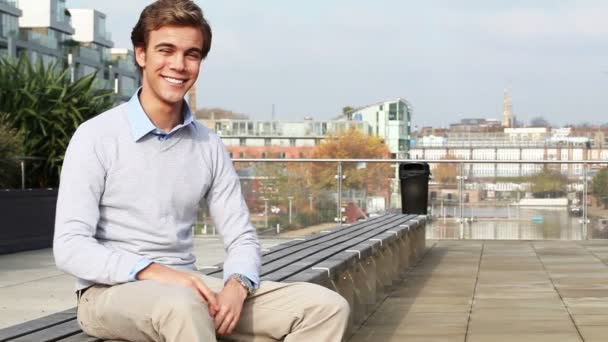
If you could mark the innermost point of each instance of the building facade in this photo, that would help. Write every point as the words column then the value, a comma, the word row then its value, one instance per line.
column 73, row 38
column 389, row 120
column 277, row 139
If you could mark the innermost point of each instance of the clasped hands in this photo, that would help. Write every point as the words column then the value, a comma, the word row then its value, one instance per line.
column 224, row 307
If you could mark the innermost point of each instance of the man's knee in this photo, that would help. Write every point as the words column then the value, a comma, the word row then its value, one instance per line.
column 327, row 302
column 181, row 305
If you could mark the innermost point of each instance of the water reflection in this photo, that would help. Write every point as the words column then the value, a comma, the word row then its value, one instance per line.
column 511, row 223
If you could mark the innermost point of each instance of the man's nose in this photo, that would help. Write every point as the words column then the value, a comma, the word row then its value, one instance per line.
column 177, row 62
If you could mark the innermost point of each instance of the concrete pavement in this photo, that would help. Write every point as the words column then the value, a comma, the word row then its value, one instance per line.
column 499, row 291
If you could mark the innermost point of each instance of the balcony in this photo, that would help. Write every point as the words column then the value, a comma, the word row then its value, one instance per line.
column 40, row 39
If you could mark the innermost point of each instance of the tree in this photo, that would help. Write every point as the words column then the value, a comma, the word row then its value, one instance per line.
column 41, row 103
column 548, row 183
column 599, row 186
column 446, row 172
column 352, row 144
column 539, row 121
column 11, row 146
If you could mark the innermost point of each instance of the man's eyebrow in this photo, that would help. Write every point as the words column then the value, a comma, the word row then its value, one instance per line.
column 160, row 45
column 172, row 46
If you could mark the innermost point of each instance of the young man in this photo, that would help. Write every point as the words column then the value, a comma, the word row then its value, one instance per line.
column 130, row 188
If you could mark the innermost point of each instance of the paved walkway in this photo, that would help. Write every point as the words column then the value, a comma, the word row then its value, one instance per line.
column 499, row 291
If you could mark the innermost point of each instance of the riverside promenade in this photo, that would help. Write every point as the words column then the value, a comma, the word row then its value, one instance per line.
column 462, row 290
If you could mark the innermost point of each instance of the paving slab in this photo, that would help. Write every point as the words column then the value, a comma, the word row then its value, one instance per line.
column 492, row 290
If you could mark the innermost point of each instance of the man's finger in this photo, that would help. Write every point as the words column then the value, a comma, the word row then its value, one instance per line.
column 223, row 328
column 232, row 326
column 219, row 317
column 208, row 294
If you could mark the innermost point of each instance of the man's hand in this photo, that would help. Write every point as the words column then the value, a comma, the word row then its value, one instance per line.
column 168, row 275
column 230, row 300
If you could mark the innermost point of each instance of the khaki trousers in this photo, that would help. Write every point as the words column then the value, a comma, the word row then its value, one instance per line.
column 150, row 311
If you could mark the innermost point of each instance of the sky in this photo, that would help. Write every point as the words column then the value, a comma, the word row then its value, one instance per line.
column 449, row 59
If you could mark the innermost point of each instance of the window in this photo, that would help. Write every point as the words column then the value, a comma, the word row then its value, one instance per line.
column 241, row 154
column 266, row 141
column 230, row 154
column 242, row 142
column 265, row 154
column 392, row 111
column 302, row 155
column 281, row 155
column 292, row 142
column 317, row 142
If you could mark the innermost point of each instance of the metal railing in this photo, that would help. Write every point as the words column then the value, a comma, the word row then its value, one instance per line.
column 577, row 176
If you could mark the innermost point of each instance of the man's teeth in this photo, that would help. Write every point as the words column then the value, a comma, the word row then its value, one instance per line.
column 174, row 80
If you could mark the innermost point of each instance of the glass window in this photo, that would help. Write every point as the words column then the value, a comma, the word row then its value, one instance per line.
column 281, row 155
column 292, row 142
column 242, row 142
column 266, row 141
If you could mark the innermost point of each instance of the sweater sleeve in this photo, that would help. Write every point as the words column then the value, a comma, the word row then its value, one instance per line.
column 231, row 217
column 75, row 248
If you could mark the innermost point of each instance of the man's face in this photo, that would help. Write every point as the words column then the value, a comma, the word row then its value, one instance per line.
column 170, row 63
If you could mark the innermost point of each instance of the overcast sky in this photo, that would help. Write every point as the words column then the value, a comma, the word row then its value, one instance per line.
column 450, row 59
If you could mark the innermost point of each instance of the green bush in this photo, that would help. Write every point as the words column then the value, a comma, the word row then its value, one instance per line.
column 11, row 146
column 46, row 107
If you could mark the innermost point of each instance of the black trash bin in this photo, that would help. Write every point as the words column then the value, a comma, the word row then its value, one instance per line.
column 414, row 187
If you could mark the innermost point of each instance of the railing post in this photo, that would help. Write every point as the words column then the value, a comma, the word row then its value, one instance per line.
column 339, row 205
column 585, row 231
column 22, row 162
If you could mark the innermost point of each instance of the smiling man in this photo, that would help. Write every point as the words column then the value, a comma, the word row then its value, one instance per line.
column 130, row 188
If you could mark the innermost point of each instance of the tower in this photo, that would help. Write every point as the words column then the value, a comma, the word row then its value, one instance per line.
column 508, row 119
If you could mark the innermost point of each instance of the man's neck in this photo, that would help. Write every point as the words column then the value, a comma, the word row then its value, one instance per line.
column 163, row 115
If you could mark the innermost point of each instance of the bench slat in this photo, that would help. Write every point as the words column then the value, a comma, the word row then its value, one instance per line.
column 37, row 324
column 82, row 337
column 53, row 333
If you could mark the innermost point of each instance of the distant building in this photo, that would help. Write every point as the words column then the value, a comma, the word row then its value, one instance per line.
column 476, row 125
column 389, row 120
column 277, row 139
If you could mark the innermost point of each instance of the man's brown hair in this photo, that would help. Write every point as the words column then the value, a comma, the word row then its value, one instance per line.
column 170, row 12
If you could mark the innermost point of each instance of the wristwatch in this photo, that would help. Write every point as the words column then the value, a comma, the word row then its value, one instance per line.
column 245, row 282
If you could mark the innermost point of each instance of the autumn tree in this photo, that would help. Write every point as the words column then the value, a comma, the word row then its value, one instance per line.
column 352, row 144
column 446, row 172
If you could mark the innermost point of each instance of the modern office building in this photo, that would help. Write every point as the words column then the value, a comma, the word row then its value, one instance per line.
column 389, row 120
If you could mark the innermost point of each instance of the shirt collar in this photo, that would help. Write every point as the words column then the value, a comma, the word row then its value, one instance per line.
column 141, row 124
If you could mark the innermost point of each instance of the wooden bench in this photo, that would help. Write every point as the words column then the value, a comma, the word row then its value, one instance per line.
column 360, row 261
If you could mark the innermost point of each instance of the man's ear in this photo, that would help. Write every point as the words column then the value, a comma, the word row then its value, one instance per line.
column 140, row 56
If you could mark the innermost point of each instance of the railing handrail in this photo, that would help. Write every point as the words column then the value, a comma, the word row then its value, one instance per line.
column 393, row 161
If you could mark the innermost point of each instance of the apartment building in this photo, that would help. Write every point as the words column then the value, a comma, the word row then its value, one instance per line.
column 9, row 26
column 75, row 38
column 389, row 120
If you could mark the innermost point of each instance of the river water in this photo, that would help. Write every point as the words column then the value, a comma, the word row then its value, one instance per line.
column 512, row 223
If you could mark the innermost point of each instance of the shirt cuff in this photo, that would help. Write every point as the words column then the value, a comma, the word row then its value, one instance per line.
column 254, row 284
column 141, row 264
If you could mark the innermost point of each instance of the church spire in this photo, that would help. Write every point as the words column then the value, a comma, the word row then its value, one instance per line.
column 508, row 120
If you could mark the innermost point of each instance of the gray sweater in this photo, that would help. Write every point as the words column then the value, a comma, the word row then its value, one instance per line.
column 124, row 198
